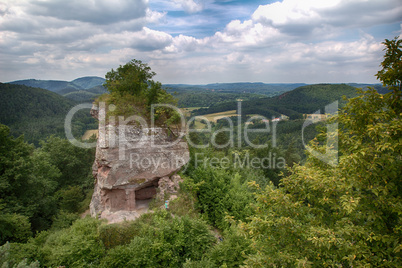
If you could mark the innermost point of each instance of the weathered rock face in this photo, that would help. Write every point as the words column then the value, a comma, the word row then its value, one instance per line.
column 130, row 162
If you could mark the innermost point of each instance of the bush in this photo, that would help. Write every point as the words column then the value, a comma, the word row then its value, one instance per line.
column 162, row 241
column 7, row 259
column 220, row 193
column 78, row 246
column 117, row 234
column 232, row 251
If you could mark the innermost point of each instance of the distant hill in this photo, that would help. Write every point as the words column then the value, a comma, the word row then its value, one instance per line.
column 218, row 93
column 305, row 99
column 82, row 89
column 51, row 85
column 88, row 82
column 252, row 88
column 38, row 113
column 380, row 89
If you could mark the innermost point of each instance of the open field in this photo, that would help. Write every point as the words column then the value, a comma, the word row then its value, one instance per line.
column 88, row 134
column 199, row 120
column 216, row 116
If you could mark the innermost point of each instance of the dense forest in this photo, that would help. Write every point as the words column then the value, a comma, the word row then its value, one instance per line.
column 290, row 211
column 38, row 113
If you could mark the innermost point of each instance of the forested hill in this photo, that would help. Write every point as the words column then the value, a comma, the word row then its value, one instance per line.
column 82, row 89
column 58, row 85
column 305, row 99
column 38, row 113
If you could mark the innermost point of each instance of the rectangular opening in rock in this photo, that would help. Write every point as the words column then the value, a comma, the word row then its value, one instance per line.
column 145, row 193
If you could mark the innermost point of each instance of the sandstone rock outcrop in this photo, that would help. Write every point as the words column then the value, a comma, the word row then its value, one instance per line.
column 131, row 162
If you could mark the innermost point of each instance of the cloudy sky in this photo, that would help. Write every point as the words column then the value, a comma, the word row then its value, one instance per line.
column 198, row 41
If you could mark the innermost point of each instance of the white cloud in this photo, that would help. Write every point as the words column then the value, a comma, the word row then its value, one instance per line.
column 183, row 43
column 289, row 41
column 154, row 16
column 313, row 18
column 189, row 6
column 149, row 40
column 247, row 35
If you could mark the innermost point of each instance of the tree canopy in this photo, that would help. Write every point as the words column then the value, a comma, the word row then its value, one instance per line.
column 134, row 77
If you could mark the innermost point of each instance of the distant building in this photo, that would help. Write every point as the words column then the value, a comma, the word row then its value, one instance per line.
column 280, row 118
column 315, row 117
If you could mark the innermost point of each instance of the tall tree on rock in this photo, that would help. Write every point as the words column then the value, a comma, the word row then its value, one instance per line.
column 132, row 78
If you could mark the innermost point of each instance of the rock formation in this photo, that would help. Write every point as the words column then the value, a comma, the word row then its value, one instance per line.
column 131, row 162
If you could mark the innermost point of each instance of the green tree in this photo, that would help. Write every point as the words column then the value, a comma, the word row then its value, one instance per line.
column 391, row 72
column 70, row 198
column 133, row 78
column 77, row 246
column 348, row 215
column 133, row 91
column 73, row 162
column 27, row 180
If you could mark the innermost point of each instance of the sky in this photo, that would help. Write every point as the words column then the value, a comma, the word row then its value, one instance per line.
column 198, row 41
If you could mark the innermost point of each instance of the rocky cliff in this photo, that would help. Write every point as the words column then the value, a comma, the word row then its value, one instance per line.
column 131, row 163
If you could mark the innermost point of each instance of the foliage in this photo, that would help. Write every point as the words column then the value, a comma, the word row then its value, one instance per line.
column 6, row 261
column 36, row 183
column 232, row 250
column 133, row 92
column 70, row 198
column 220, row 193
column 391, row 73
column 63, row 220
column 162, row 241
column 118, row 234
column 27, row 180
column 73, row 162
column 347, row 215
column 14, row 228
column 204, row 263
column 132, row 78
